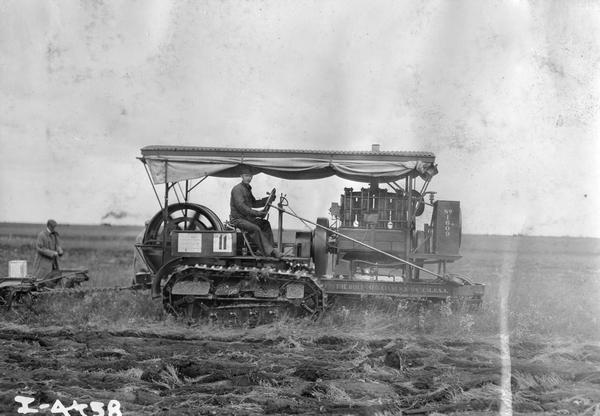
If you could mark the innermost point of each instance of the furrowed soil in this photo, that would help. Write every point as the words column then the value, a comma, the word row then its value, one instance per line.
column 533, row 348
column 269, row 371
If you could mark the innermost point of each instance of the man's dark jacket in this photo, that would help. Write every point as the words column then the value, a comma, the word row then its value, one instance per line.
column 242, row 202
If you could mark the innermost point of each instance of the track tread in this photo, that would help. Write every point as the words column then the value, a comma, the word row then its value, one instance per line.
column 244, row 306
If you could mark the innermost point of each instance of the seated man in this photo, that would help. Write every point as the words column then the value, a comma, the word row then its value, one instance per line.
column 248, row 219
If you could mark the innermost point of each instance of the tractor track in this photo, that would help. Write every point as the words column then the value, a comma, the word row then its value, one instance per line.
column 237, row 294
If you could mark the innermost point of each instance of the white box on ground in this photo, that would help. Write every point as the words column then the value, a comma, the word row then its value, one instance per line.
column 17, row 268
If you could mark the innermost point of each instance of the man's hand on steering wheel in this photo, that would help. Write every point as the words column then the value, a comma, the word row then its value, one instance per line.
column 270, row 200
column 264, row 213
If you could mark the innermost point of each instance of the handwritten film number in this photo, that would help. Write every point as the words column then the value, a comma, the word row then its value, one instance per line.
column 112, row 409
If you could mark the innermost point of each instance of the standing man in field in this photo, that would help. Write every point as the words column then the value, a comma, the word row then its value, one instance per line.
column 244, row 216
column 48, row 250
column 141, row 274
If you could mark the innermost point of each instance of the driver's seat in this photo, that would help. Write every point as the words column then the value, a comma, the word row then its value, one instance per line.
column 248, row 243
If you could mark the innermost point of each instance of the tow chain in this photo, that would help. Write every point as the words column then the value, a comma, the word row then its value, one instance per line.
column 78, row 290
column 24, row 295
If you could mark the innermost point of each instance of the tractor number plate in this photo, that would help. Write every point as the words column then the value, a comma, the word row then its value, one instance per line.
column 294, row 291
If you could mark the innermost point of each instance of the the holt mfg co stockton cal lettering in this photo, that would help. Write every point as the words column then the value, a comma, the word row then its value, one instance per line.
column 381, row 287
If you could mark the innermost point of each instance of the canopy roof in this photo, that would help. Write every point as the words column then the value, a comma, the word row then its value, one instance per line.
column 179, row 163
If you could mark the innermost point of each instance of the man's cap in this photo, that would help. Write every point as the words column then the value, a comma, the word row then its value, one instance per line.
column 51, row 223
column 246, row 170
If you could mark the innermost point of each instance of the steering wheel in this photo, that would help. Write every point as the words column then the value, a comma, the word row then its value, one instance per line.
column 270, row 200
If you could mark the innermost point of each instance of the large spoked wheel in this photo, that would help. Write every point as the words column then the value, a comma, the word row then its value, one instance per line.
column 182, row 217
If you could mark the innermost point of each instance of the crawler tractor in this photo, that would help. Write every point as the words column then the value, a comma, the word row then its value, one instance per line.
column 370, row 245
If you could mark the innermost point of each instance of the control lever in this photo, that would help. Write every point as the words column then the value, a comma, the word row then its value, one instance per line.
column 270, row 199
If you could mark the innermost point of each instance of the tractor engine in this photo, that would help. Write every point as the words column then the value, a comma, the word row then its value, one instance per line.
column 379, row 218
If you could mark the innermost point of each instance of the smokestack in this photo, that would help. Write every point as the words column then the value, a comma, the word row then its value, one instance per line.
column 375, row 148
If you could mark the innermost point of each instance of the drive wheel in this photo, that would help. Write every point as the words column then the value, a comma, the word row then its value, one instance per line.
column 182, row 217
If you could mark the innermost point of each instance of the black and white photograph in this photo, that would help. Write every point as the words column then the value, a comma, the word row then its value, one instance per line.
column 261, row 207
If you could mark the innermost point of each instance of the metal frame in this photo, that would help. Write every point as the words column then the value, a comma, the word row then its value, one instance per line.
column 409, row 185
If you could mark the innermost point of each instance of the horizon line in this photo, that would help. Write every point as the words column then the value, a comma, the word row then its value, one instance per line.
column 294, row 229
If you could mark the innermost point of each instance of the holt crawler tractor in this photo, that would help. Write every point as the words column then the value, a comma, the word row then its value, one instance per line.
column 371, row 243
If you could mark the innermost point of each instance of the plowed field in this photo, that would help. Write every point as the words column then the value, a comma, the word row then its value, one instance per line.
column 268, row 370
column 533, row 348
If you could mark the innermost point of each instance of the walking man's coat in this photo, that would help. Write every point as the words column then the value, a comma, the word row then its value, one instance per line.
column 48, row 250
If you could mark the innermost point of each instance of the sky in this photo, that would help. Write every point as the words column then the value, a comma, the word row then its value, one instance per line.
column 505, row 93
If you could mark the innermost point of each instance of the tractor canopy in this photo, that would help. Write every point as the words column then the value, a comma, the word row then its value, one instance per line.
column 179, row 163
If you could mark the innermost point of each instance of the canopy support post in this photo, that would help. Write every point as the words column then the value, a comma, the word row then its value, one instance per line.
column 165, row 217
column 153, row 186
column 409, row 215
column 198, row 183
column 397, row 188
column 280, row 226
column 425, row 185
column 175, row 191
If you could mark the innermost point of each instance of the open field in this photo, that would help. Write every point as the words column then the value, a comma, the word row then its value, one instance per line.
column 533, row 348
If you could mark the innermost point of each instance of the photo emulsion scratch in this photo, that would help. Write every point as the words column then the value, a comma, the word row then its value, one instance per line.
column 507, row 271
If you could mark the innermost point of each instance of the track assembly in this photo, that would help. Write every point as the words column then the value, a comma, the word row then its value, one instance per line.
column 240, row 295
